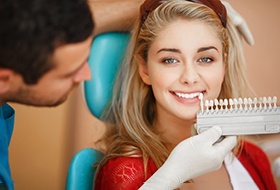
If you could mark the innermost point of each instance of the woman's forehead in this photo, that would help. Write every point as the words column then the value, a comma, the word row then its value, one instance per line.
column 186, row 32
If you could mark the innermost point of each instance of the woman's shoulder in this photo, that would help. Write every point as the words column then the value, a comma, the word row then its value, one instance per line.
column 125, row 173
column 252, row 154
column 130, row 165
column 256, row 162
column 252, row 151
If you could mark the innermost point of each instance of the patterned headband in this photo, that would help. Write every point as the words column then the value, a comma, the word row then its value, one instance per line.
column 216, row 5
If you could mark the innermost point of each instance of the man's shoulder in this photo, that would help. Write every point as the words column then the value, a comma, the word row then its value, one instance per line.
column 7, row 111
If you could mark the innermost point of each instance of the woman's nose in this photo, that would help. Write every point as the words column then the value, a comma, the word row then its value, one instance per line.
column 189, row 74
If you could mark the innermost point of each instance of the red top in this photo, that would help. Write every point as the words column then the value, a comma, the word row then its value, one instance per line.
column 127, row 173
column 257, row 164
column 124, row 173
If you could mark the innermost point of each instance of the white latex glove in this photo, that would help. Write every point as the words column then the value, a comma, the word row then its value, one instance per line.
column 192, row 157
column 240, row 23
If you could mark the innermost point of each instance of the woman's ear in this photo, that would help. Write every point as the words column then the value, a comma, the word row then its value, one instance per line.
column 5, row 80
column 143, row 70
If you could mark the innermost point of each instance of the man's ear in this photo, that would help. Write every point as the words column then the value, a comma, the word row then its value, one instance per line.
column 5, row 80
column 143, row 70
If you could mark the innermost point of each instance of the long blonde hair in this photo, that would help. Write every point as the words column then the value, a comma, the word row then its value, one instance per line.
column 131, row 115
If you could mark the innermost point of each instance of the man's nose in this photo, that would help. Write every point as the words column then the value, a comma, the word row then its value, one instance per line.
column 83, row 74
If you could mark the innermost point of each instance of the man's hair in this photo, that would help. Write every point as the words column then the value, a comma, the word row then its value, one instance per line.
column 30, row 30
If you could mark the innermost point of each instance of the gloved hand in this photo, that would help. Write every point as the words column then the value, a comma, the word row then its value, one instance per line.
column 192, row 157
column 240, row 23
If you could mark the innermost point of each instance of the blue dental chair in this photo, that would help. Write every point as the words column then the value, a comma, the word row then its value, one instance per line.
column 106, row 54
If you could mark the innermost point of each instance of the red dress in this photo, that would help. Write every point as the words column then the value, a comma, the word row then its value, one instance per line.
column 127, row 173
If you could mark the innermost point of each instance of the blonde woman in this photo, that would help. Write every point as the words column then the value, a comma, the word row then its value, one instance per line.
column 180, row 51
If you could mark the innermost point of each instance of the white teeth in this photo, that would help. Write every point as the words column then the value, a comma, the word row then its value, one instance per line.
column 191, row 95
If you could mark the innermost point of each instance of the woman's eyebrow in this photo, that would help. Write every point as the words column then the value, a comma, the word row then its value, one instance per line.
column 178, row 51
column 207, row 48
column 170, row 50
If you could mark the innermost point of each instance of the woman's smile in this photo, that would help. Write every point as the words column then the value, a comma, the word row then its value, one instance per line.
column 184, row 97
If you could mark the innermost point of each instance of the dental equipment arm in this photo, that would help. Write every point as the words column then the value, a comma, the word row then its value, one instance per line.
column 119, row 15
column 240, row 23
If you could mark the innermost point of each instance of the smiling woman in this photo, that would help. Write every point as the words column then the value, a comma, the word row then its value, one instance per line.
column 178, row 71
column 179, row 51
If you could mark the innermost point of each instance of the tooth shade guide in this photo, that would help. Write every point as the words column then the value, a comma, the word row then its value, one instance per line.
column 237, row 116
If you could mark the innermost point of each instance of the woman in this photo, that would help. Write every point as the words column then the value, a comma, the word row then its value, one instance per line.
column 180, row 50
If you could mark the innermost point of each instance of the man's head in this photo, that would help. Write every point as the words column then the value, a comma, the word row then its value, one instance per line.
column 44, row 47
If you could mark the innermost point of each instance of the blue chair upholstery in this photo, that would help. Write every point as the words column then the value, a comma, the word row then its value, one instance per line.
column 81, row 171
column 106, row 54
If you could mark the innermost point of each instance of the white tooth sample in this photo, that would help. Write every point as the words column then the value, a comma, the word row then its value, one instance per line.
column 245, row 101
column 216, row 102
column 269, row 101
column 235, row 101
column 274, row 101
column 264, row 102
column 260, row 102
column 221, row 102
column 250, row 101
column 240, row 102
column 255, row 100
column 231, row 103
column 200, row 97
column 226, row 104
column 211, row 103
column 207, row 104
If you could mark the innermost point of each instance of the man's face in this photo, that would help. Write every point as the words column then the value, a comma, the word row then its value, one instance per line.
column 53, row 88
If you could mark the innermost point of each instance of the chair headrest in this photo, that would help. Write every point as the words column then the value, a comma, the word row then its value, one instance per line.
column 106, row 55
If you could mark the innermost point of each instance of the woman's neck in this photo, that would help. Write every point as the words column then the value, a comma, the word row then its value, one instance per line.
column 173, row 130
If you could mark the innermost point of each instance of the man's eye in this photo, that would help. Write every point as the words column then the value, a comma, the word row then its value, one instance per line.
column 170, row 60
column 205, row 60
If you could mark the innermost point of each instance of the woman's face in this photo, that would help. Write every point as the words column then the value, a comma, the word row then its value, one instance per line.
column 185, row 60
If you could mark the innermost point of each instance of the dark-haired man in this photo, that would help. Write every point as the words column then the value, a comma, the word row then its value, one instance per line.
column 44, row 46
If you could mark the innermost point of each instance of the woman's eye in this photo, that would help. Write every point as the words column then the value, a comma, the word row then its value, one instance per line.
column 170, row 60
column 205, row 60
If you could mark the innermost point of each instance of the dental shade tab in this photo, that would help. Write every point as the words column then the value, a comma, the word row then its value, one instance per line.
column 240, row 116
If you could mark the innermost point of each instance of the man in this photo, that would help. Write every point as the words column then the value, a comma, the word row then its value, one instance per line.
column 44, row 47
column 43, row 56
